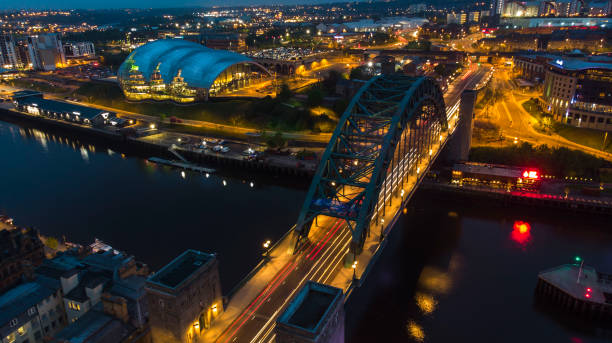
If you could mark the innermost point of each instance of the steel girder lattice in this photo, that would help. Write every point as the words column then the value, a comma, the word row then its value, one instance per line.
column 387, row 126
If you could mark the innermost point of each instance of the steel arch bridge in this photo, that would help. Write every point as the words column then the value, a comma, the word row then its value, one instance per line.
column 390, row 124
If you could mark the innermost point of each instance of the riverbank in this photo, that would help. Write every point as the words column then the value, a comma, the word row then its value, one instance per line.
column 158, row 144
column 578, row 204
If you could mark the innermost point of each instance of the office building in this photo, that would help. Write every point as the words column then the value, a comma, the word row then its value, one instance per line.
column 497, row 7
column 579, row 92
column 46, row 51
column 456, row 18
column 79, row 49
column 8, row 52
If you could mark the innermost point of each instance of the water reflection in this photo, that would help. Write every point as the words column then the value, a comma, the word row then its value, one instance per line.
column 426, row 302
column 415, row 331
column 521, row 233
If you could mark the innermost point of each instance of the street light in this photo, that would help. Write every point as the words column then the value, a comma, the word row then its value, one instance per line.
column 354, row 266
column 266, row 246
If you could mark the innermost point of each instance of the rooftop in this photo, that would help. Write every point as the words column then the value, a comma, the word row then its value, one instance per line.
column 93, row 326
column 181, row 268
column 489, row 169
column 20, row 298
column 575, row 64
column 62, row 107
column 310, row 306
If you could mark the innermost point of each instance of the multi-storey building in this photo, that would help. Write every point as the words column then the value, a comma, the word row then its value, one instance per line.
column 46, row 51
column 30, row 312
column 20, row 252
column 497, row 7
column 79, row 49
column 456, row 18
column 8, row 53
column 184, row 297
column 579, row 92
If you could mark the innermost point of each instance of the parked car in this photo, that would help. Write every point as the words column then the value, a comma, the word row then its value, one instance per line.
column 217, row 148
column 225, row 149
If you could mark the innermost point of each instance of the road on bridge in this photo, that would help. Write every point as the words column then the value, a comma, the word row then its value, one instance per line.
column 321, row 259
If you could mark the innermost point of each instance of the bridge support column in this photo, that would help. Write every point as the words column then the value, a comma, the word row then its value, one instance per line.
column 458, row 148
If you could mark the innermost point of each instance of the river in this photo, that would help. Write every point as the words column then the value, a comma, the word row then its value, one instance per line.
column 454, row 269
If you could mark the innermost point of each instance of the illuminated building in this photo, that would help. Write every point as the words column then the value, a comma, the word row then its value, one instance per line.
column 456, row 18
column 184, row 298
column 496, row 176
column 46, row 52
column 315, row 314
column 79, row 49
column 579, row 92
column 497, row 7
column 8, row 52
column 33, row 103
column 183, row 71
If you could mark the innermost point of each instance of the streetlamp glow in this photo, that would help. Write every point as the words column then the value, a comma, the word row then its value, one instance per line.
column 267, row 244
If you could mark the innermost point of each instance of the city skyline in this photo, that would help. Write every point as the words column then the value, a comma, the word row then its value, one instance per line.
column 143, row 4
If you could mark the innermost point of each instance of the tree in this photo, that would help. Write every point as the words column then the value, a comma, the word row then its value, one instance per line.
column 329, row 83
column 315, row 97
column 285, row 93
column 52, row 243
column 276, row 141
column 358, row 74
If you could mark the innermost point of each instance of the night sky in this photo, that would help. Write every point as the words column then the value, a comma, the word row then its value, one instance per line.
column 95, row 4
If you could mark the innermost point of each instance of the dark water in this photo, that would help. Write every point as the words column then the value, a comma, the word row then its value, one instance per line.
column 461, row 270
column 454, row 270
column 68, row 186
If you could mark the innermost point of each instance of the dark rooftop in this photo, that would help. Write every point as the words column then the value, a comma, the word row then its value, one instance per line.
column 181, row 268
column 310, row 306
column 62, row 107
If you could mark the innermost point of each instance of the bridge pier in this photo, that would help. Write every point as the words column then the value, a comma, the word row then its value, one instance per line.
column 458, row 147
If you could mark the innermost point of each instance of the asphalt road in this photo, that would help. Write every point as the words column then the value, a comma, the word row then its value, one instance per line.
column 515, row 122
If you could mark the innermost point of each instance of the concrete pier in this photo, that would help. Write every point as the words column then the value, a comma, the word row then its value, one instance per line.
column 579, row 290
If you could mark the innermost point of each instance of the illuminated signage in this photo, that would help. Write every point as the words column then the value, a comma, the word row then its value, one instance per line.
column 531, row 174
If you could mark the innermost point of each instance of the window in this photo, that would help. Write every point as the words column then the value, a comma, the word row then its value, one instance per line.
column 32, row 311
column 74, row 306
column 11, row 338
column 37, row 335
column 14, row 322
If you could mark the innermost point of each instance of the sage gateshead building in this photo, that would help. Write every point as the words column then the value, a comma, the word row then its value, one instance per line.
column 183, row 71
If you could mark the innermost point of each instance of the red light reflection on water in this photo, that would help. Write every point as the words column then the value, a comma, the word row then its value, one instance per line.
column 521, row 232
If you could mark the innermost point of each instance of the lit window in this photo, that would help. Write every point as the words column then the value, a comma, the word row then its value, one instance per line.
column 22, row 331
column 11, row 338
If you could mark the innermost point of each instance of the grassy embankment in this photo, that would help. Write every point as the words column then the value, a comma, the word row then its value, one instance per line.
column 267, row 113
column 38, row 86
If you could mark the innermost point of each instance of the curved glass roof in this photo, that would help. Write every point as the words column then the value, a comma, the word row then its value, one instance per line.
column 199, row 65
